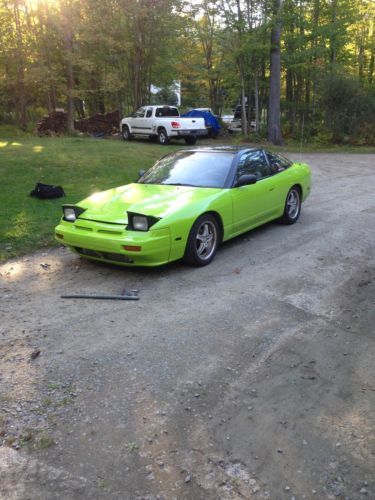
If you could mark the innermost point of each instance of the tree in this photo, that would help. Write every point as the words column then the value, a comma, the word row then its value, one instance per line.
column 273, row 124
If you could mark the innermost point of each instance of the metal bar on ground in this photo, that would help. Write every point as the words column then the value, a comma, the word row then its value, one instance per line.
column 103, row 297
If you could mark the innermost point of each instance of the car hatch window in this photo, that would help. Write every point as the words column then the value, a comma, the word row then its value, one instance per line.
column 278, row 163
column 253, row 162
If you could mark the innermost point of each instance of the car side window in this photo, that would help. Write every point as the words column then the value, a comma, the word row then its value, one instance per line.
column 277, row 162
column 149, row 113
column 140, row 113
column 254, row 162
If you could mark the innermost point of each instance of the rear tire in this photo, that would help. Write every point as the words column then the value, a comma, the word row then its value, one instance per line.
column 126, row 135
column 292, row 208
column 163, row 138
column 203, row 241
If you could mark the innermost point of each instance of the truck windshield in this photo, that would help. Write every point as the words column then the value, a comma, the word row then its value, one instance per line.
column 190, row 168
column 166, row 111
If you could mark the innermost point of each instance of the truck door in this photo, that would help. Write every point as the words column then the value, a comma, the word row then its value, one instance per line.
column 137, row 121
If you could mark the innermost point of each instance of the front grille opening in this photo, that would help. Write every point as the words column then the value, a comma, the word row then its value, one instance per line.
column 118, row 257
column 115, row 257
column 109, row 231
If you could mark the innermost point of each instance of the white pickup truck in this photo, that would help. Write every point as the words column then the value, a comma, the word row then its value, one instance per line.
column 163, row 123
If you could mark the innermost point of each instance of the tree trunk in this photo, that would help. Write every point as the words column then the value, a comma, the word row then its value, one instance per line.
column 68, row 48
column 332, row 42
column 20, row 83
column 256, row 99
column 316, row 17
column 69, row 82
column 274, row 127
column 243, row 107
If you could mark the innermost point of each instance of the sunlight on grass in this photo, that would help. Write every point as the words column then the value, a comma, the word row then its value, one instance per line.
column 20, row 225
column 3, row 144
column 16, row 144
column 38, row 149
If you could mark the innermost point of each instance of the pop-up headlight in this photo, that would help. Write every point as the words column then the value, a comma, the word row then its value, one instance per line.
column 140, row 223
column 137, row 222
column 71, row 212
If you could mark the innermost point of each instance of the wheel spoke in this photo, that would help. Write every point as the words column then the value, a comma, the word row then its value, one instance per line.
column 205, row 230
column 201, row 249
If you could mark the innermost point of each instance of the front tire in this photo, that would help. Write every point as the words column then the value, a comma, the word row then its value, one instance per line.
column 292, row 208
column 126, row 135
column 203, row 241
column 163, row 138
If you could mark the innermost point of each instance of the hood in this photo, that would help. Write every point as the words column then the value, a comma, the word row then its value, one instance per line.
column 146, row 199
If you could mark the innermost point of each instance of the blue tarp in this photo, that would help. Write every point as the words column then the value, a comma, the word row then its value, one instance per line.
column 209, row 119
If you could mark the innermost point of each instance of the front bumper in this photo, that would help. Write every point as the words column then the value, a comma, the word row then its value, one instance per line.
column 104, row 242
column 189, row 132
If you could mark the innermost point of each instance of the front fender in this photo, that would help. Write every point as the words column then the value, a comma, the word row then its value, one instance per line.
column 125, row 122
column 181, row 222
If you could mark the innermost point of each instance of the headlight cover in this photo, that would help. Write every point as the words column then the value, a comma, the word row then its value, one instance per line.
column 138, row 222
column 71, row 212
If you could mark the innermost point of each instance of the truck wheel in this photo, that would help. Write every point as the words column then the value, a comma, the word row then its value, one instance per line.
column 190, row 141
column 163, row 138
column 126, row 135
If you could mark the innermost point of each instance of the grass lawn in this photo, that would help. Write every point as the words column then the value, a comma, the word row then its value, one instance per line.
column 80, row 165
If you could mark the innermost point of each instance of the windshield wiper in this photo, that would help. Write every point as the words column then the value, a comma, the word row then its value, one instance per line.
column 177, row 184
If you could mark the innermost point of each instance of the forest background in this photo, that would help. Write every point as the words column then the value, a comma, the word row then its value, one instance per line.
column 302, row 65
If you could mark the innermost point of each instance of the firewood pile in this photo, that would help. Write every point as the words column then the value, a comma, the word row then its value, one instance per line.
column 101, row 124
column 54, row 123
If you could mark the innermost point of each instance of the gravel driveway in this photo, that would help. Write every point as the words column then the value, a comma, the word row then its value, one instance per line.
column 251, row 378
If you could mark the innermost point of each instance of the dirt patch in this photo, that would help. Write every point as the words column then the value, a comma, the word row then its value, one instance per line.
column 250, row 378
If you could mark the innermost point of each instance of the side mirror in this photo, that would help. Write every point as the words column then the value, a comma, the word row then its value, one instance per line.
column 246, row 180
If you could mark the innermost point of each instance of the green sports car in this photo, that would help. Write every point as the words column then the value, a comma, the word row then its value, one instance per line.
column 185, row 206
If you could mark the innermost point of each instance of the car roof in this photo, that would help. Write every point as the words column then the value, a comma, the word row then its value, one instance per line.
column 221, row 149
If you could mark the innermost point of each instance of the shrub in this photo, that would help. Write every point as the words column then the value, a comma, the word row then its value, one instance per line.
column 349, row 110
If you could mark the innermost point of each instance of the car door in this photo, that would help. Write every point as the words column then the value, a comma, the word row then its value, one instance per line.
column 256, row 203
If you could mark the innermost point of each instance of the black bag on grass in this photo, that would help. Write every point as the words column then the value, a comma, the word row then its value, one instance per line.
column 45, row 191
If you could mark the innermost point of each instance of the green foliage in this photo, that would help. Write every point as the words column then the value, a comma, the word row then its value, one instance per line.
column 218, row 50
column 349, row 110
column 165, row 95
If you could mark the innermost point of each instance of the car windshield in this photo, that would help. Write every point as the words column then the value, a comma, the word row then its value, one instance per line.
column 190, row 168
